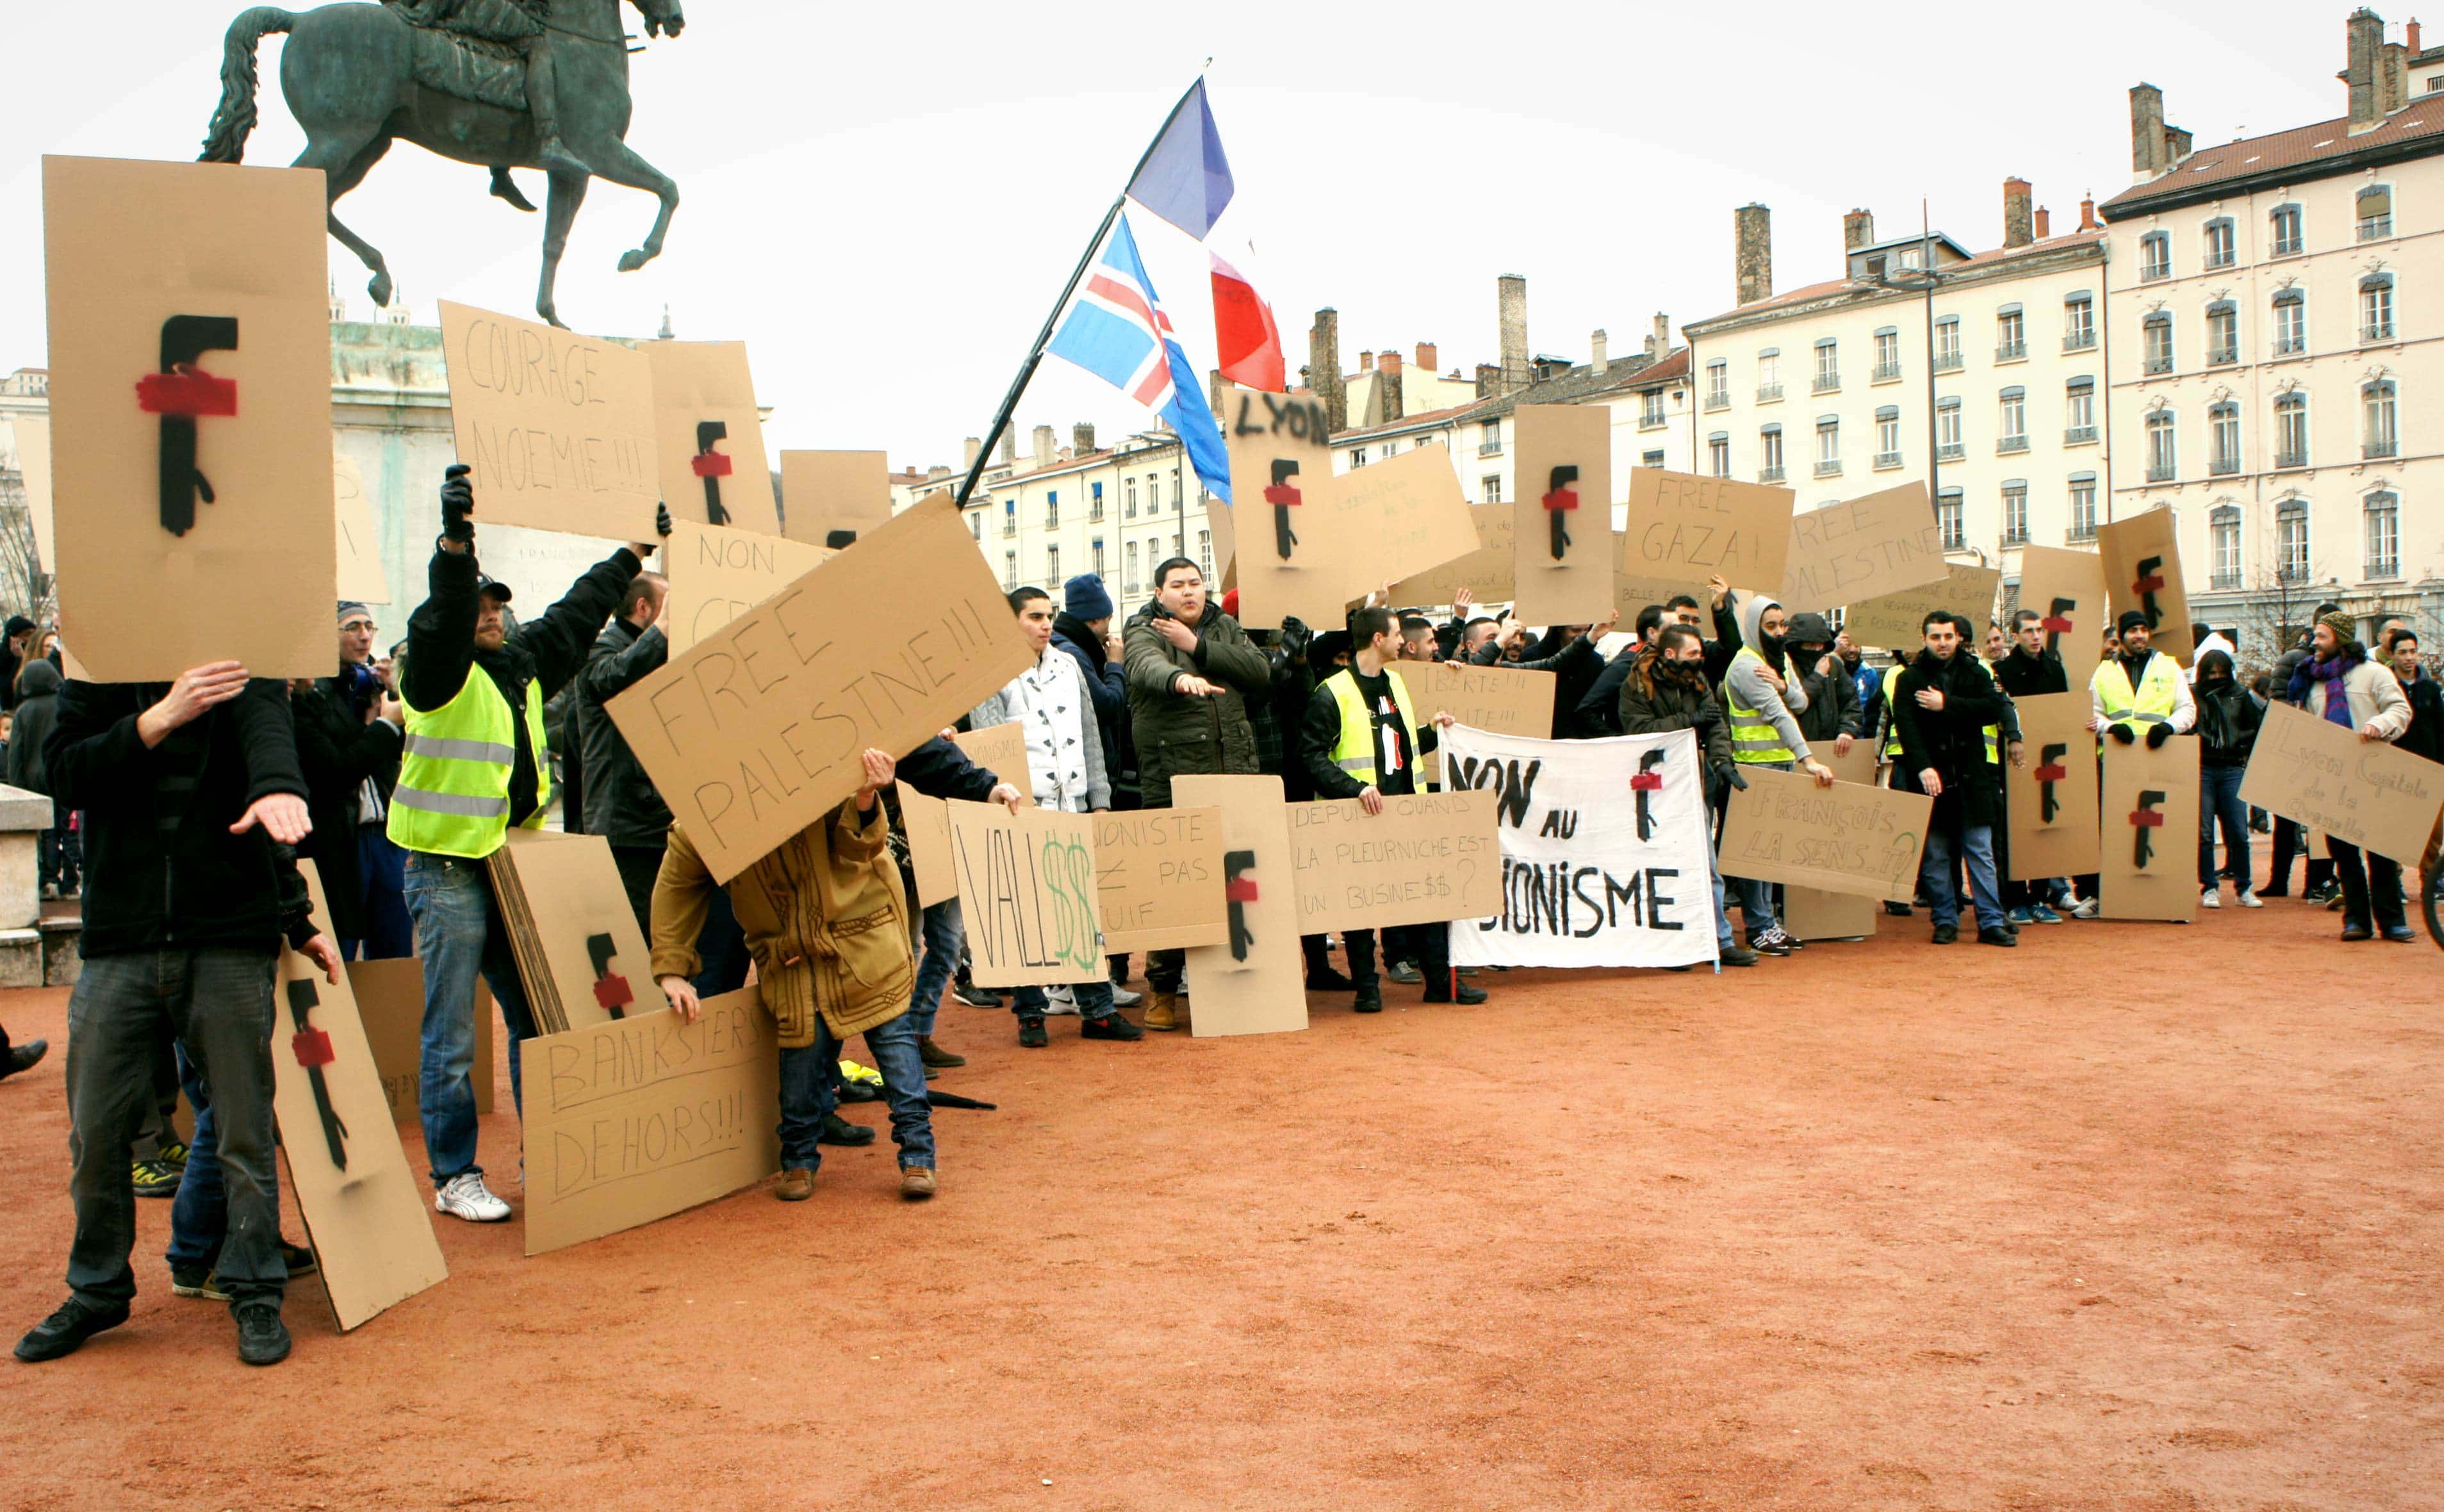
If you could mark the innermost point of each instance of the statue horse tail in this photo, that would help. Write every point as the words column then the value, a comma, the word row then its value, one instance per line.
column 233, row 120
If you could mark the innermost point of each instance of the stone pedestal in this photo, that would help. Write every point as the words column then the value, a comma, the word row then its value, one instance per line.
column 22, row 818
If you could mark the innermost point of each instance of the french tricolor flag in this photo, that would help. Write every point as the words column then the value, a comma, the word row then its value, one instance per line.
column 1248, row 344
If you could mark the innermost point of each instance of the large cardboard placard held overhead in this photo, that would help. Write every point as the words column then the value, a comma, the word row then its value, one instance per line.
column 1813, row 913
column 1862, row 548
column 558, row 428
column 718, row 574
column 2147, row 831
column 1027, row 894
column 2066, row 589
column 190, row 417
column 1489, row 571
column 1000, row 750
column 1406, row 512
column 640, row 1118
column 1427, row 859
column 1254, row 981
column 1841, row 838
column 834, row 498
column 1507, row 700
column 360, row 566
column 2142, row 571
column 708, row 435
column 1158, row 878
column 390, row 1001
column 1292, row 561
column 1897, row 620
column 365, row 1212
column 1564, row 560
column 34, row 466
column 1682, row 529
column 758, row 731
column 2052, row 800
column 2365, row 793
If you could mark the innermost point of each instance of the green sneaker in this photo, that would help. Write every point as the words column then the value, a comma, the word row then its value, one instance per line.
column 173, row 1154
column 153, row 1179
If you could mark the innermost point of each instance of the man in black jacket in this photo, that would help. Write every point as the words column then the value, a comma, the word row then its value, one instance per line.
column 341, row 751
column 193, row 799
column 621, row 803
column 1831, row 717
column 1598, row 713
column 1942, row 703
column 1666, row 690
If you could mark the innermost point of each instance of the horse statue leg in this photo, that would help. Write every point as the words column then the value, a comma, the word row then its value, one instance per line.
column 616, row 161
column 344, row 163
column 559, row 212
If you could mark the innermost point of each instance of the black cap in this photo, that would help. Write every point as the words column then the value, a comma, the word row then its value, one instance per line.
column 18, row 625
column 495, row 588
column 2130, row 617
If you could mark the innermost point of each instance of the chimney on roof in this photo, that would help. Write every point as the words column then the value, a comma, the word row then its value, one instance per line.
column 1753, row 251
column 1044, row 448
column 936, row 475
column 1858, row 229
column 2045, row 227
column 2087, row 221
column 2018, row 219
column 2393, row 87
column 1426, row 359
column 1387, row 387
column 1600, row 351
column 2147, row 156
column 1213, row 391
column 1488, row 379
column 968, row 450
column 2410, row 37
column 1081, row 437
column 2177, row 146
column 1660, row 344
column 1366, row 361
column 2364, row 36
column 1010, row 445
column 1510, row 305
column 1323, row 366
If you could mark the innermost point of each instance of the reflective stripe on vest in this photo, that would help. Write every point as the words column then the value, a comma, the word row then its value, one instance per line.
column 2154, row 702
column 453, row 797
column 1753, row 737
column 1356, row 751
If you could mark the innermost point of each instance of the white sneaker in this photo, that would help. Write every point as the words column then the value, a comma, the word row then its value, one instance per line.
column 464, row 1195
column 1060, row 1000
column 2248, row 899
column 2086, row 909
column 1123, row 998
column 2210, row 899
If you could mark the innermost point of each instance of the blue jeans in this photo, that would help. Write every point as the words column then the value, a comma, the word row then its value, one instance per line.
column 199, row 1214
column 1722, row 916
column 1093, row 1000
column 2220, row 797
column 1935, row 873
column 809, row 1090
column 943, row 933
column 382, row 867
column 460, row 936
column 1755, row 897
column 217, row 1006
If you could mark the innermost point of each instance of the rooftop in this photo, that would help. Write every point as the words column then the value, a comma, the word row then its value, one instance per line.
column 2326, row 147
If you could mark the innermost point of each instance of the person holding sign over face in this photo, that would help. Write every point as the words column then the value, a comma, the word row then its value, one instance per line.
column 1942, row 704
column 1362, row 739
column 476, row 763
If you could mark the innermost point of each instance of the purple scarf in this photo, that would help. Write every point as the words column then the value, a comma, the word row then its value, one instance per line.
column 2338, row 706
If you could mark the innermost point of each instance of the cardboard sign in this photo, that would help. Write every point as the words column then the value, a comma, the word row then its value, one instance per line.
column 34, row 465
column 1489, row 571
column 190, row 417
column 2147, row 831
column 2316, row 773
column 1562, row 561
column 557, row 427
column 642, row 1117
column 390, row 1001
column 2142, row 571
column 1603, row 848
column 1897, row 621
column 367, row 1214
column 360, row 566
column 1292, row 559
column 999, row 749
column 1027, row 894
column 1254, row 981
column 709, row 436
column 579, row 951
column 1407, row 511
column 757, row 733
column 1159, row 880
column 1682, row 529
column 1862, row 548
column 1503, row 699
column 2051, row 812
column 1844, row 838
column 716, row 575
column 2066, row 590
column 1813, row 913
column 1427, row 859
column 835, row 498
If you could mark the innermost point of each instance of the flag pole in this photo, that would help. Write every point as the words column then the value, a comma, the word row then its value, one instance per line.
column 1044, row 337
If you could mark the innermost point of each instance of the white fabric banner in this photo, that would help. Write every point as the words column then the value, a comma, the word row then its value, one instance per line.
column 1604, row 850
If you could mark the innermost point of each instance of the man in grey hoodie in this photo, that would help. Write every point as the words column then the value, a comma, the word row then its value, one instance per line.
column 1763, row 695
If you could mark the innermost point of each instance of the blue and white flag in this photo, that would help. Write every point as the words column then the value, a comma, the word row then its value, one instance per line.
column 1117, row 330
column 1185, row 179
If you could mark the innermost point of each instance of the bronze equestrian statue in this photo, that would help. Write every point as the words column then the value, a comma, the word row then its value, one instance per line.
column 498, row 83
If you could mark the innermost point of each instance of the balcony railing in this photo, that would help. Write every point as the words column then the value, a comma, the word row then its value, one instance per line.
column 2011, row 352
column 2078, row 434
column 1718, row 399
column 1948, row 361
column 1768, row 474
column 2385, row 568
column 2375, row 228
column 1489, row 449
column 2159, row 364
column 1767, row 393
column 1009, row 528
column 1828, row 469
column 2220, row 578
column 1094, row 515
column 2290, row 459
column 1953, row 538
column 2154, row 272
column 2382, row 331
column 1827, row 380
column 2081, row 340
column 2285, row 248
column 1650, row 422
column 2219, row 257
column 1951, row 451
column 2159, row 472
column 2222, row 355
column 2080, row 532
column 2016, row 536
column 1887, row 459
column 1887, row 371
column 2291, row 345
column 2221, row 465
column 2372, row 450
column 2011, row 443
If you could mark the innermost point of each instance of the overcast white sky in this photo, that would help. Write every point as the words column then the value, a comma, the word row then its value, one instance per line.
column 883, row 201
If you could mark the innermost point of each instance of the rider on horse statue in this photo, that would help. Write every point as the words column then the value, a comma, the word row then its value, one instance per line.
column 526, row 26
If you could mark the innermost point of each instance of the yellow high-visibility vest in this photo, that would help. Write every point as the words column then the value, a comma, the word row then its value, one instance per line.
column 2154, row 700
column 453, row 797
column 1753, row 738
column 1356, row 753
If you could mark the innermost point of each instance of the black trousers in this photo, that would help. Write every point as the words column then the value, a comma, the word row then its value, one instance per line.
column 1430, row 943
column 2370, row 882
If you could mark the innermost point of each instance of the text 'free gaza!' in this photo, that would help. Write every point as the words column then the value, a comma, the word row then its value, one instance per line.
column 755, row 732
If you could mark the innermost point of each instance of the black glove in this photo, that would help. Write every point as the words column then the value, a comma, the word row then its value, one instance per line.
column 1730, row 772
column 1295, row 635
column 662, row 521
column 2122, row 733
column 2157, row 735
column 458, row 505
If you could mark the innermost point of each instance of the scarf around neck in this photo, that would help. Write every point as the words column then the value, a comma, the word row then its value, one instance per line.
column 2338, row 705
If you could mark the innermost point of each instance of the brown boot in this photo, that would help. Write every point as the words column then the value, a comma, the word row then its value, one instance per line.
column 915, row 1182
column 936, row 1058
column 1162, row 1010
column 795, row 1186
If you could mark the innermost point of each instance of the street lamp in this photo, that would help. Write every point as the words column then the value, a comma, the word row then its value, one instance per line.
column 1924, row 281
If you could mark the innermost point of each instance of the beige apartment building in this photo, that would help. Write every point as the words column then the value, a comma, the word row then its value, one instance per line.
column 2276, row 310
column 1977, row 373
column 1043, row 518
